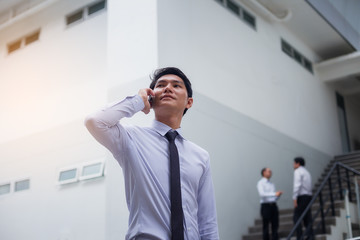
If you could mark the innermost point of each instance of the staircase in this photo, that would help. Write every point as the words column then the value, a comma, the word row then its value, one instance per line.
column 286, row 215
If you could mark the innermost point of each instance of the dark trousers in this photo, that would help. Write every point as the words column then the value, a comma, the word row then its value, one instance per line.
column 270, row 214
column 302, row 202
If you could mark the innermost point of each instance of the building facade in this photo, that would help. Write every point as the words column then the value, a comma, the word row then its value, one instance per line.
column 271, row 80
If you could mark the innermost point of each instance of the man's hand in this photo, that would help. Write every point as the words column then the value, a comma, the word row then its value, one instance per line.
column 278, row 193
column 144, row 94
column 295, row 203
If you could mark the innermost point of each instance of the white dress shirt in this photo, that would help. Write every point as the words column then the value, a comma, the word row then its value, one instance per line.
column 302, row 182
column 143, row 154
column 266, row 191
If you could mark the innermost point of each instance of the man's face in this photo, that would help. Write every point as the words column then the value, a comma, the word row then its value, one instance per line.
column 267, row 173
column 296, row 165
column 171, row 95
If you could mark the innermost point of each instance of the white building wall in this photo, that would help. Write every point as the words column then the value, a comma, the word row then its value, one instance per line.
column 253, row 105
column 263, row 108
column 56, row 79
column 246, row 70
column 46, row 89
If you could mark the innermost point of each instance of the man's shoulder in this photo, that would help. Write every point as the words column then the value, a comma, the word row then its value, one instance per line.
column 259, row 182
column 196, row 148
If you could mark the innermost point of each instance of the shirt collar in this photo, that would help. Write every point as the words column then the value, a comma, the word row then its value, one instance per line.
column 162, row 128
column 265, row 179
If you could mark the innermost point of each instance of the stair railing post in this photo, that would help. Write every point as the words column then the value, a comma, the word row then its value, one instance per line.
column 339, row 181
column 348, row 184
column 331, row 198
column 322, row 213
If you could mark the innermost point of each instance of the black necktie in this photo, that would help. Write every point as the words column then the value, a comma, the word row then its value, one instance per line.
column 177, row 228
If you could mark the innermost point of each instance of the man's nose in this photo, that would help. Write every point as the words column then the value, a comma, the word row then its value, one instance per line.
column 168, row 88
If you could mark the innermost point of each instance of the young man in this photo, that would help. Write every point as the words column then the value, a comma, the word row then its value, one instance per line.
column 302, row 195
column 269, row 210
column 169, row 190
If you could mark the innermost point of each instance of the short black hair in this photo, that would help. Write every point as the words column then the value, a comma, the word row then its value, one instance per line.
column 175, row 71
column 263, row 170
column 300, row 160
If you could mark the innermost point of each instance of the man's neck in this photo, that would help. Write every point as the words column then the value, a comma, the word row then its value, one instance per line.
column 172, row 121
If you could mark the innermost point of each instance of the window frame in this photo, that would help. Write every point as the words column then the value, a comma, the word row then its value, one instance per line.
column 71, row 180
column 21, row 180
column 4, row 184
column 101, row 172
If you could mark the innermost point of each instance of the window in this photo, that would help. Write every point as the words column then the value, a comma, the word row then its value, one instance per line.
column 81, row 172
column 249, row 18
column 96, row 7
column 85, row 12
column 14, row 46
column 239, row 11
column 296, row 55
column 22, row 185
column 5, row 188
column 233, row 7
column 32, row 38
column 68, row 175
column 24, row 41
column 92, row 170
column 74, row 17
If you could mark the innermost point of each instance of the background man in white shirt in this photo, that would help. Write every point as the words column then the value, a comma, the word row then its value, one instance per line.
column 269, row 210
column 302, row 195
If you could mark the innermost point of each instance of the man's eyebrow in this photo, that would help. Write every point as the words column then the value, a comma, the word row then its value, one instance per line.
column 174, row 81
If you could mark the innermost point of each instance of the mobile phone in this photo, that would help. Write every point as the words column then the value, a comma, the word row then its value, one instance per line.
column 150, row 99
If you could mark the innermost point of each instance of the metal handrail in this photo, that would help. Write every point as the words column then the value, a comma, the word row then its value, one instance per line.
column 336, row 165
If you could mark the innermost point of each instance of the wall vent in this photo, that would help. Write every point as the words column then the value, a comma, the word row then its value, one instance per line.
column 239, row 11
column 296, row 55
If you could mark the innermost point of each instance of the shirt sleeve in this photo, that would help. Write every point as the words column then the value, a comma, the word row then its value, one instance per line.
column 104, row 125
column 207, row 220
column 263, row 192
column 297, row 184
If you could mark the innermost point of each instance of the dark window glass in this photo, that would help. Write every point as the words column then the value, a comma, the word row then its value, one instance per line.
column 308, row 65
column 32, row 38
column 297, row 56
column 249, row 18
column 74, row 17
column 233, row 7
column 96, row 7
column 286, row 48
column 14, row 46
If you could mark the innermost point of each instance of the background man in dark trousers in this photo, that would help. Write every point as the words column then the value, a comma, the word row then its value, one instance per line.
column 302, row 195
column 269, row 210
column 168, row 184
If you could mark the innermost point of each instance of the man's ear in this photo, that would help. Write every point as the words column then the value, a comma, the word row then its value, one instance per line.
column 190, row 101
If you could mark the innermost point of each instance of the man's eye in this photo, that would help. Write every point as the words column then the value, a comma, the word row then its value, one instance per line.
column 159, row 85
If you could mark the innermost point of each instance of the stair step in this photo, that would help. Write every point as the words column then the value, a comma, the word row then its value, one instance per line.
column 287, row 226
column 282, row 234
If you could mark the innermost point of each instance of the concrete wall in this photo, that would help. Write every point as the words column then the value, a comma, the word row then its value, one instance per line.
column 247, row 71
column 48, row 210
column 56, row 79
column 52, row 84
column 254, row 107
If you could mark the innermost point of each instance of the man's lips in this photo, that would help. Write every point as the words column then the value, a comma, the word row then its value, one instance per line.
column 166, row 97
